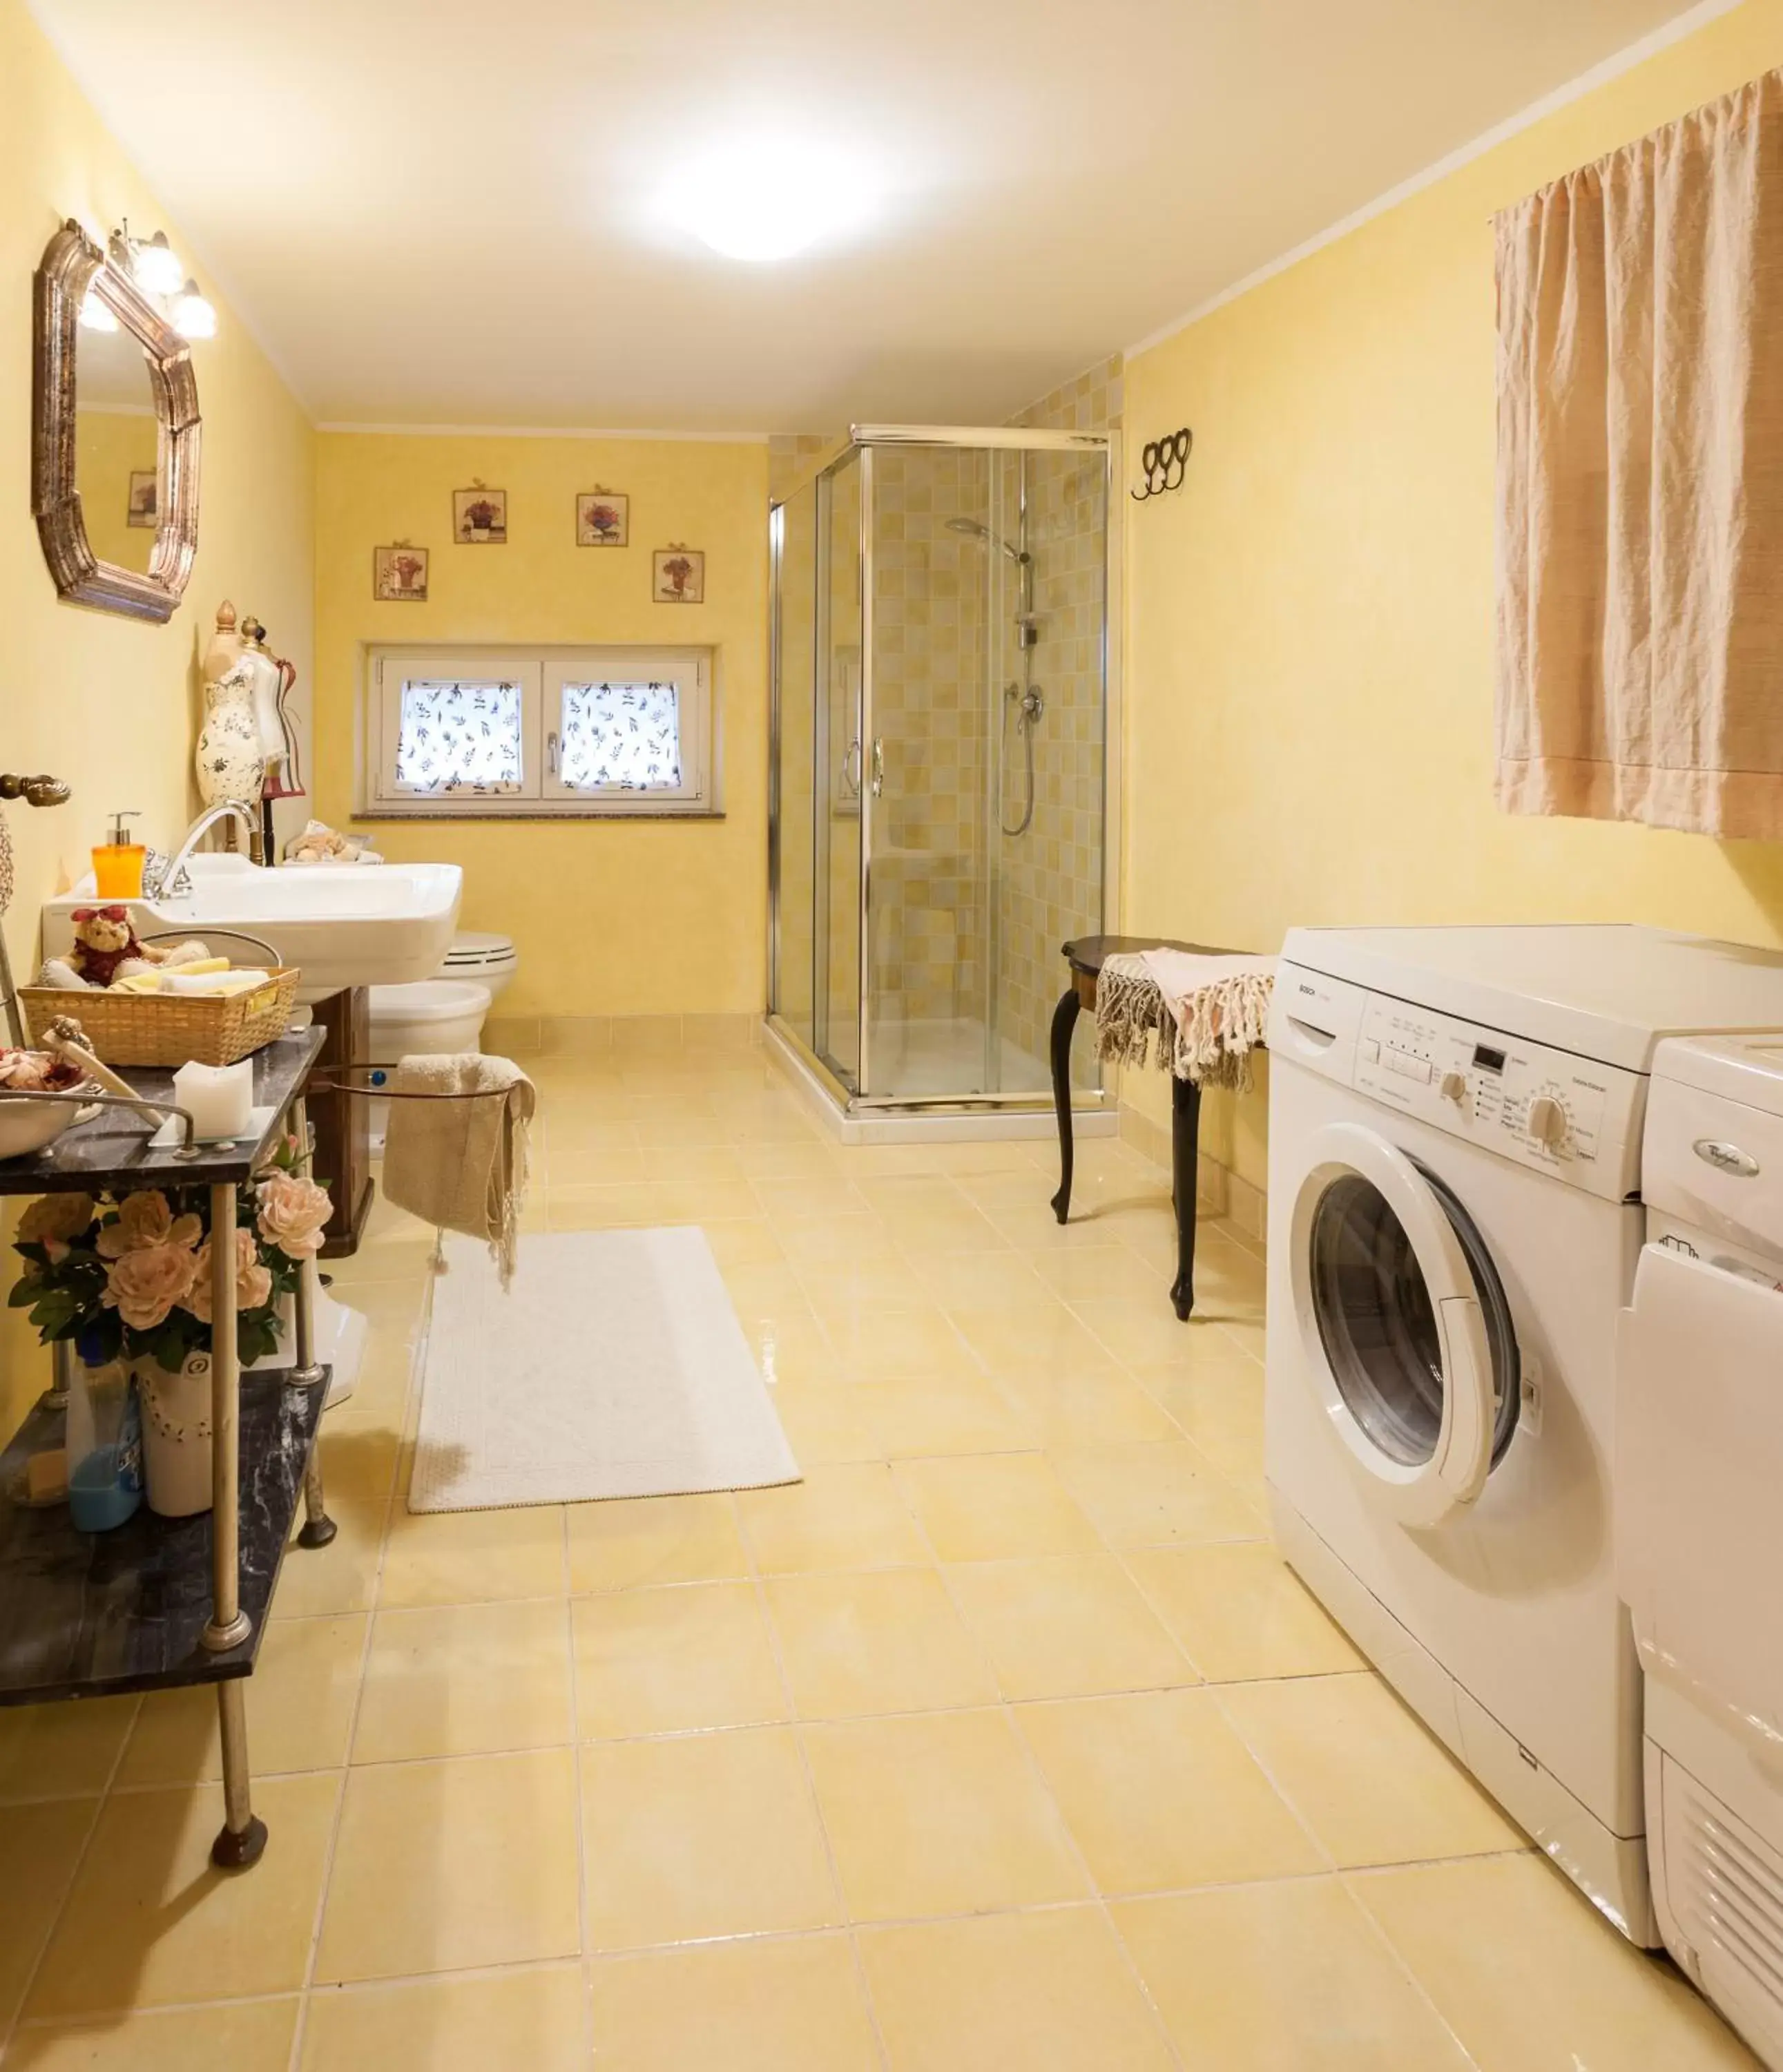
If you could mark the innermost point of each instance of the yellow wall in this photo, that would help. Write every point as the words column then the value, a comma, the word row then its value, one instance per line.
column 609, row 917
column 105, row 702
column 110, row 447
column 1309, row 658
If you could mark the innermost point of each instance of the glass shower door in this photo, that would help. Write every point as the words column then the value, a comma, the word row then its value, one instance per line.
column 838, row 772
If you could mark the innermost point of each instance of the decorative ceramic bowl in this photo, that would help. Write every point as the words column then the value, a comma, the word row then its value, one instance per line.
column 27, row 1125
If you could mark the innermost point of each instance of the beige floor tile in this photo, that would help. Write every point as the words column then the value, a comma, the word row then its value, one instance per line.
column 534, row 2019
column 791, row 1347
column 150, row 1922
column 1284, row 1978
column 844, row 1517
column 464, row 1680
column 1062, row 1408
column 1046, row 1339
column 319, row 1582
column 740, row 1241
column 767, row 1292
column 804, row 1158
column 1051, row 1992
column 447, row 1866
column 879, row 1281
column 1100, row 1272
column 250, row 2036
column 956, row 1277
column 43, row 1844
column 782, row 2005
column 62, row 1751
column 1167, row 1495
column 794, row 1196
column 656, row 1661
column 1066, row 1626
column 935, row 1813
column 889, row 1640
column 703, row 1835
column 465, row 1557
column 1532, row 1980
column 876, row 1343
column 815, row 1240
column 995, row 1506
column 1219, row 1405
column 623, row 1205
column 826, row 1423
column 633, row 1541
column 1363, row 1773
column 1142, row 1330
column 1161, row 1793
column 300, row 1709
column 931, row 1414
column 1241, row 1612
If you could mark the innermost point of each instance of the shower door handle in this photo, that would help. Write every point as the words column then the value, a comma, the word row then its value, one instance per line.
column 878, row 768
column 851, row 769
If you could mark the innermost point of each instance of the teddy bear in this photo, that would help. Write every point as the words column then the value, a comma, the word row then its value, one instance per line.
column 106, row 948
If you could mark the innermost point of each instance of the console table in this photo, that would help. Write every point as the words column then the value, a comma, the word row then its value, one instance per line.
column 160, row 1602
column 1086, row 957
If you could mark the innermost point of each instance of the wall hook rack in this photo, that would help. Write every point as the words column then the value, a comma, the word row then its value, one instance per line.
column 1165, row 462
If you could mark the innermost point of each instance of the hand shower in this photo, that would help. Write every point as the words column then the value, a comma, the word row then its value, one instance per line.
column 1027, row 700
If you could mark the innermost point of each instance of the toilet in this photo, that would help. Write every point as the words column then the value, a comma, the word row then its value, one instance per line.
column 435, row 1015
column 486, row 960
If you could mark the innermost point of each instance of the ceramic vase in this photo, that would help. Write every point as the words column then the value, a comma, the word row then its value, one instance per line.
column 231, row 760
column 176, row 1435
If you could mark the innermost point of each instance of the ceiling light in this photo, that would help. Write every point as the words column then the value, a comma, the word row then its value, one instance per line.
column 769, row 197
column 156, row 269
column 95, row 315
column 192, row 316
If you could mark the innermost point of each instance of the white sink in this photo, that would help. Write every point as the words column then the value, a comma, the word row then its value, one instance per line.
column 346, row 924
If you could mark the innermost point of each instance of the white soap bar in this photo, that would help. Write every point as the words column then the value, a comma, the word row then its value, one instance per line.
column 219, row 1097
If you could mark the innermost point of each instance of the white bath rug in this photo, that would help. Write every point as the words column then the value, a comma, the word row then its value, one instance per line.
column 615, row 1367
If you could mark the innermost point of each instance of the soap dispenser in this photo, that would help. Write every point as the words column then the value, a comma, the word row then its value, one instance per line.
column 118, row 865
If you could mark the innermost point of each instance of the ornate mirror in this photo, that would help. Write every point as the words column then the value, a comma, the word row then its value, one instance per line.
column 114, row 435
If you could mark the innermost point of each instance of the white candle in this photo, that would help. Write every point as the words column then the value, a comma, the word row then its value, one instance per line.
column 219, row 1097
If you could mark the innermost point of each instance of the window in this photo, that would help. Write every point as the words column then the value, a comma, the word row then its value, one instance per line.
column 494, row 732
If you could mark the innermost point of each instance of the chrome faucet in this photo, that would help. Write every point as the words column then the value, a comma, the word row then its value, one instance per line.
column 176, row 880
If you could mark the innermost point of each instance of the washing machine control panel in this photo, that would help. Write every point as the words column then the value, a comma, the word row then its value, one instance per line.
column 1550, row 1109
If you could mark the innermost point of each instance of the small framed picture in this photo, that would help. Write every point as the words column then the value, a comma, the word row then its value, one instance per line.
column 603, row 519
column 479, row 517
column 145, row 498
column 678, row 576
column 399, row 575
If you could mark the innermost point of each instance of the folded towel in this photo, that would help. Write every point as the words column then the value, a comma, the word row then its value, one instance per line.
column 211, row 982
column 462, row 1165
column 1207, row 1012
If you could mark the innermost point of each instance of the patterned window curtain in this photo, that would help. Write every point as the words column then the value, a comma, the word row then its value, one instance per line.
column 459, row 736
column 1639, row 604
column 621, row 737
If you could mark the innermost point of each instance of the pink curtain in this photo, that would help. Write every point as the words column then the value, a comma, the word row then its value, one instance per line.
column 1640, row 607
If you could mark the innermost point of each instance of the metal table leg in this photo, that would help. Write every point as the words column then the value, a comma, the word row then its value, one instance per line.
column 1185, row 1162
column 244, row 1837
column 319, row 1528
column 1064, row 1021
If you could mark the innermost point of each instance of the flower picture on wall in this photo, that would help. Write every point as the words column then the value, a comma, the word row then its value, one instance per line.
column 678, row 576
column 144, row 498
column 399, row 574
column 603, row 519
column 479, row 516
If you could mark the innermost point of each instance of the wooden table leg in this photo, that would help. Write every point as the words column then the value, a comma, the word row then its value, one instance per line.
column 1184, row 1161
column 1064, row 1021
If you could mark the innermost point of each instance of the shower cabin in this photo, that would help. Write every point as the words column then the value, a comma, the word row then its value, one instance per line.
column 941, row 797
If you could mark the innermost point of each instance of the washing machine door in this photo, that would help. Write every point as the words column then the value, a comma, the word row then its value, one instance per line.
column 1407, row 1334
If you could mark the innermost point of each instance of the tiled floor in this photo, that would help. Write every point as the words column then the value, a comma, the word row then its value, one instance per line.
column 1003, row 1739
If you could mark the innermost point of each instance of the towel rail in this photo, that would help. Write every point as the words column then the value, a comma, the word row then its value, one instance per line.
column 381, row 1089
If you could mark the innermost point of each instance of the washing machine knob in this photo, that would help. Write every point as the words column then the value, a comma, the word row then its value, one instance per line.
column 1548, row 1122
column 1454, row 1087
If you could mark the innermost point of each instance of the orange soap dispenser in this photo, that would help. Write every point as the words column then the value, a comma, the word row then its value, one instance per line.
column 117, row 863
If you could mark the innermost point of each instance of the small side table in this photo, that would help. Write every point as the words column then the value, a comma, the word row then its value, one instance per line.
column 1086, row 957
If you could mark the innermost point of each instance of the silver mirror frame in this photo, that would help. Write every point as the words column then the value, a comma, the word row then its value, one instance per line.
column 72, row 266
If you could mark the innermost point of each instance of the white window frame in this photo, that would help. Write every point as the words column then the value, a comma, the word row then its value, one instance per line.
column 542, row 673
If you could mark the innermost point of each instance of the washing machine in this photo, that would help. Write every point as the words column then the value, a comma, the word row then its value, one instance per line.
column 1699, row 1526
column 1454, row 1222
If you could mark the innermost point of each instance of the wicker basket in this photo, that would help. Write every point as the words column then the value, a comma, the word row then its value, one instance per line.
column 169, row 1028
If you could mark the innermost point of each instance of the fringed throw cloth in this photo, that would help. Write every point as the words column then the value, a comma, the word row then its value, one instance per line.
column 1198, row 1017
column 1640, row 503
column 462, row 1165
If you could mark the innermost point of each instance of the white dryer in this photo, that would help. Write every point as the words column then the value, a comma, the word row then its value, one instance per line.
column 1454, row 1161
column 1699, row 1517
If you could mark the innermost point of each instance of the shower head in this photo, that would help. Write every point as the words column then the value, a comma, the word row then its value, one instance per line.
column 974, row 531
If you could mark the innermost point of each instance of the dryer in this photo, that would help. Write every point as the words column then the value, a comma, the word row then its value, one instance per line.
column 1455, row 1137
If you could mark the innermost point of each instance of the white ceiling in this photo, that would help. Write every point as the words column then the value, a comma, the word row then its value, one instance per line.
column 449, row 211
